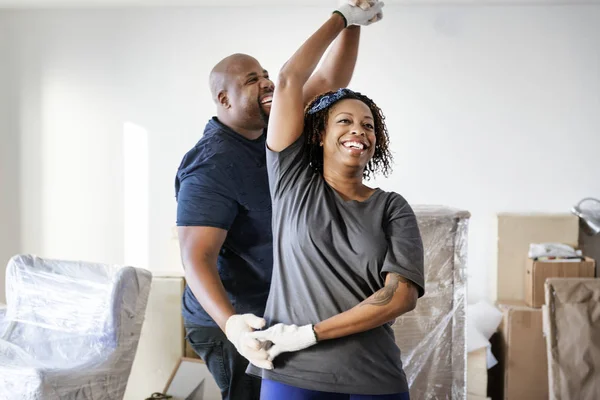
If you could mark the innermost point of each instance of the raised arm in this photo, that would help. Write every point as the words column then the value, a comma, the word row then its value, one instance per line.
column 338, row 66
column 286, row 120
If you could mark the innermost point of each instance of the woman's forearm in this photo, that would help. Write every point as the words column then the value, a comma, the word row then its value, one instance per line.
column 397, row 297
column 304, row 61
column 338, row 66
column 286, row 120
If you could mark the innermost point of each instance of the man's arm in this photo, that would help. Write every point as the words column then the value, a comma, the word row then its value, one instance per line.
column 337, row 67
column 200, row 246
column 205, row 212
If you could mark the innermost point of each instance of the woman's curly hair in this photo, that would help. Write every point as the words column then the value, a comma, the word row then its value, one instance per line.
column 316, row 115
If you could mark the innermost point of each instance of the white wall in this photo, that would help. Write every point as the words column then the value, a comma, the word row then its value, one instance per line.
column 9, row 160
column 490, row 109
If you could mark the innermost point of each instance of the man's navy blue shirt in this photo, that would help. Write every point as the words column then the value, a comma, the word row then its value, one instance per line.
column 222, row 182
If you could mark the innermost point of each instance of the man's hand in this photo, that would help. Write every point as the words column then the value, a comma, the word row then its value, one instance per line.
column 286, row 338
column 238, row 329
column 360, row 12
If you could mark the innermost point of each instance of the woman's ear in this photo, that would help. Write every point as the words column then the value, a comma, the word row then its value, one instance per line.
column 322, row 137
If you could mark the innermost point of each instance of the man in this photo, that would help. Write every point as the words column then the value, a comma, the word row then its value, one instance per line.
column 224, row 211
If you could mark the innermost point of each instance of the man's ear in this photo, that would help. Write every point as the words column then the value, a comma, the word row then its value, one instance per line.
column 223, row 99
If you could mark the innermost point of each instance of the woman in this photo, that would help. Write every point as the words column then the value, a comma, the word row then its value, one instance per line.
column 348, row 259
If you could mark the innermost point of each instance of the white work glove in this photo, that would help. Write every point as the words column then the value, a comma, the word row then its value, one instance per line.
column 286, row 338
column 361, row 15
column 364, row 4
column 238, row 329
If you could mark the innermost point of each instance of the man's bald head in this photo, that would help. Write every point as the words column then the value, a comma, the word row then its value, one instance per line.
column 226, row 70
column 242, row 91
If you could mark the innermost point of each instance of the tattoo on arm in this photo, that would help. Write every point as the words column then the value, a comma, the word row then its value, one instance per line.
column 384, row 295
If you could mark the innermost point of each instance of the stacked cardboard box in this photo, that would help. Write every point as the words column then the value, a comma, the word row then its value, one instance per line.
column 515, row 233
column 538, row 271
column 477, row 374
column 522, row 347
column 522, row 354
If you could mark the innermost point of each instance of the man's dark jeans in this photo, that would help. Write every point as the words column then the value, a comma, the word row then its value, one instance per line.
column 226, row 365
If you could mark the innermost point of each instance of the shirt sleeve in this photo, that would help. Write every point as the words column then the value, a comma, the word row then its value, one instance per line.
column 206, row 199
column 287, row 167
column 405, row 246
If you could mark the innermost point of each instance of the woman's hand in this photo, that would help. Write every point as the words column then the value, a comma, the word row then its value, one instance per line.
column 361, row 12
column 364, row 4
column 286, row 338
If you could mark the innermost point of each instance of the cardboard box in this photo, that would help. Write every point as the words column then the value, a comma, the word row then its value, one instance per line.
column 524, row 359
column 515, row 233
column 538, row 271
column 477, row 378
column 572, row 328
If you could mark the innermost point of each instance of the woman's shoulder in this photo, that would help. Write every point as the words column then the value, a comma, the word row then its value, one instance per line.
column 391, row 197
column 394, row 203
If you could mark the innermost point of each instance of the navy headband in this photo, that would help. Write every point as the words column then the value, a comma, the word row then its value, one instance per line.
column 329, row 99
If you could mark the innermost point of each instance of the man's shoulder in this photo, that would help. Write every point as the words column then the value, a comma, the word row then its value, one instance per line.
column 211, row 149
column 202, row 166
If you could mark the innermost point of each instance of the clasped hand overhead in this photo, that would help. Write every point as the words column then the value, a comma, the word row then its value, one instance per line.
column 360, row 12
column 261, row 347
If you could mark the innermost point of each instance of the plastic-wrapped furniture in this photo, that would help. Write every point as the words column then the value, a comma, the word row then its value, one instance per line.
column 2, row 318
column 71, row 329
column 432, row 337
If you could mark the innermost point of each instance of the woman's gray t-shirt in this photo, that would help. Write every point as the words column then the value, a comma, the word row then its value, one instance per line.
column 330, row 255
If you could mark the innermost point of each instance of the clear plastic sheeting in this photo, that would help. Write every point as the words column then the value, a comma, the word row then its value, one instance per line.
column 2, row 318
column 71, row 329
column 432, row 338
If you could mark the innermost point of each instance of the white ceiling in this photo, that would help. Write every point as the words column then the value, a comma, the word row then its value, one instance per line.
column 238, row 3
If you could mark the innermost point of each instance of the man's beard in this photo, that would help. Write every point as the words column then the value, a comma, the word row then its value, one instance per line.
column 263, row 115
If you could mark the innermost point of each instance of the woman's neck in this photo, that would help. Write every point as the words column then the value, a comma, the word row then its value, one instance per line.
column 349, row 185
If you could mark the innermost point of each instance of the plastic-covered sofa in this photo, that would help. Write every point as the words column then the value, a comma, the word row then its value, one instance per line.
column 70, row 329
